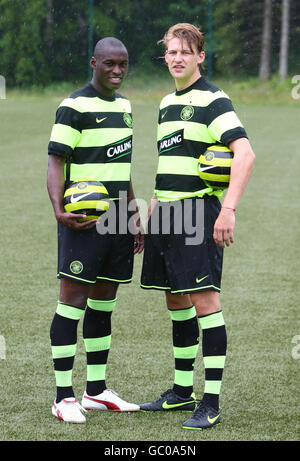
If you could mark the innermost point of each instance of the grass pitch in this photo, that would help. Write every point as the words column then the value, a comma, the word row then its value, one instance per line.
column 260, row 293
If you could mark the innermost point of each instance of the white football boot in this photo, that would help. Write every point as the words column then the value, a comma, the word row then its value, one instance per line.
column 69, row 410
column 107, row 400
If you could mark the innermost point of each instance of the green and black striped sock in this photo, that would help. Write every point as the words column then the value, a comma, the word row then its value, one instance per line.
column 214, row 346
column 63, row 335
column 185, row 343
column 97, row 339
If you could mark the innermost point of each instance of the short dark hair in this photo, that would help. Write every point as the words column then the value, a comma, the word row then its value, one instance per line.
column 108, row 42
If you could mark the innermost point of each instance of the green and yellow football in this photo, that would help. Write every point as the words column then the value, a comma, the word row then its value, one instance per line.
column 214, row 166
column 86, row 196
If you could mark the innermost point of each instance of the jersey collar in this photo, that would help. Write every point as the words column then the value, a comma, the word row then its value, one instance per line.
column 196, row 84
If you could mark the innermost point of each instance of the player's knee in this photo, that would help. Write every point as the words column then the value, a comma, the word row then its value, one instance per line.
column 73, row 293
column 206, row 302
column 177, row 301
column 104, row 290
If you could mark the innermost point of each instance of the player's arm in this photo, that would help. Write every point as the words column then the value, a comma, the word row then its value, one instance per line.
column 139, row 234
column 241, row 169
column 152, row 205
column 55, row 186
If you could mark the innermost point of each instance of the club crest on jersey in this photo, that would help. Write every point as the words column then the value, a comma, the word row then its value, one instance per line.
column 127, row 119
column 172, row 141
column 187, row 113
column 119, row 148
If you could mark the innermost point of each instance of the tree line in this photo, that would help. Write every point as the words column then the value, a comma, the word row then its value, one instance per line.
column 46, row 41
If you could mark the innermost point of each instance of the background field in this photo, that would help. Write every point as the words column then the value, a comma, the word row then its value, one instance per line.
column 260, row 297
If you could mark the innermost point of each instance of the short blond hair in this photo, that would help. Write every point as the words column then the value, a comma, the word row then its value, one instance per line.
column 184, row 31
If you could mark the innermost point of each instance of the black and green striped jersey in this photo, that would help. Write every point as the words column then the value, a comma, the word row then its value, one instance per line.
column 189, row 122
column 94, row 134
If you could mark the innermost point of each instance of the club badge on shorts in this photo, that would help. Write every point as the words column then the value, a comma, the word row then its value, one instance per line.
column 76, row 267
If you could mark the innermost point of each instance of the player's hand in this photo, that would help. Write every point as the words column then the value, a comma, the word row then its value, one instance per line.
column 139, row 236
column 139, row 241
column 224, row 227
column 151, row 207
column 71, row 220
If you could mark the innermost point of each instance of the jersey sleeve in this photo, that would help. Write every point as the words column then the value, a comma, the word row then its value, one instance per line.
column 222, row 122
column 66, row 131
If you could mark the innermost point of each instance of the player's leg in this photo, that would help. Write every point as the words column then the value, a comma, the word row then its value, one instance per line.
column 97, row 338
column 185, row 333
column 214, row 346
column 214, row 342
column 63, row 335
column 157, row 273
column 97, row 333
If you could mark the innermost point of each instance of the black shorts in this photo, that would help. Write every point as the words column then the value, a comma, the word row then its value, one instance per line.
column 183, row 262
column 88, row 256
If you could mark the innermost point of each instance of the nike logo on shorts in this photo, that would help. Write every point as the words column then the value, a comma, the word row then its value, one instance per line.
column 200, row 280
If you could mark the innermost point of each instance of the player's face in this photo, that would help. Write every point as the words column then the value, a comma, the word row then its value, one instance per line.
column 183, row 62
column 110, row 67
